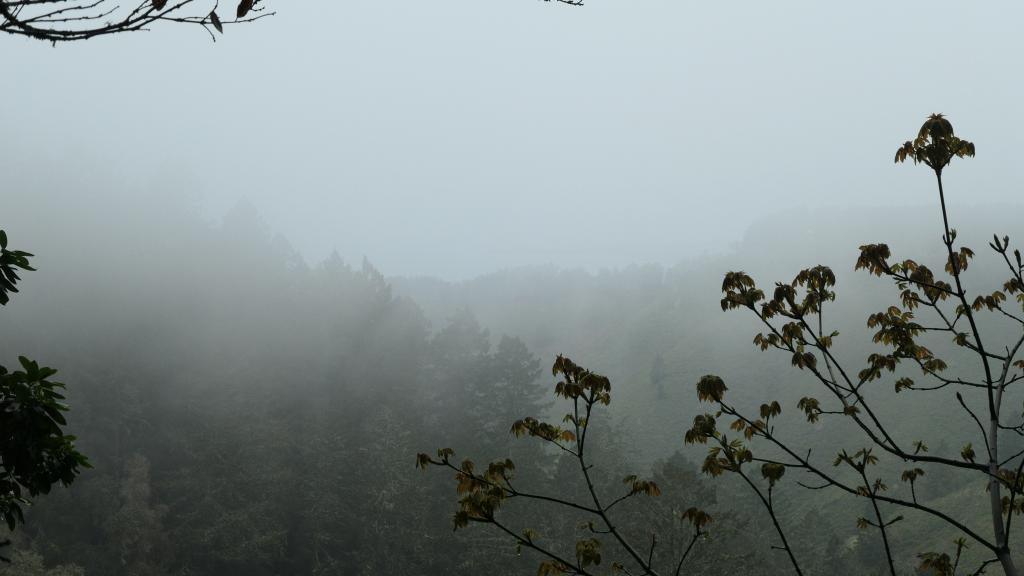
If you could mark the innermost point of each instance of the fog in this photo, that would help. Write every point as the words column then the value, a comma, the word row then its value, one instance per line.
column 456, row 138
column 274, row 268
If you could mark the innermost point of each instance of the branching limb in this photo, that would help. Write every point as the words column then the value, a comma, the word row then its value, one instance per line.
column 769, row 505
column 483, row 492
column 707, row 430
column 528, row 542
column 981, row 427
column 70, row 20
column 872, row 492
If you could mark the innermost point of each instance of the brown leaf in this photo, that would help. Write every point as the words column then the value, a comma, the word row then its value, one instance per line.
column 243, row 8
column 159, row 4
column 216, row 22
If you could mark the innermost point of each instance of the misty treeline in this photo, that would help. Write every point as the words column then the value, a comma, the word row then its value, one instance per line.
column 248, row 413
column 245, row 413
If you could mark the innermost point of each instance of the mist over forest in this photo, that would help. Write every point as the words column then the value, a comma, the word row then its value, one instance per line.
column 557, row 287
column 247, row 411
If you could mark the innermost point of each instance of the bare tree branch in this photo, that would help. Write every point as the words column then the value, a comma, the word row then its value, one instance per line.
column 70, row 20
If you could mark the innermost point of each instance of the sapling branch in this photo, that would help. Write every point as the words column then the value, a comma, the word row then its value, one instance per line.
column 804, row 462
column 935, row 146
column 484, row 491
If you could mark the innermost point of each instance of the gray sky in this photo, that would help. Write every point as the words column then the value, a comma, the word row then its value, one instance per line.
column 455, row 137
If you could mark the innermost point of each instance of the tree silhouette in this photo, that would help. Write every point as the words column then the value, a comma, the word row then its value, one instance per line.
column 35, row 454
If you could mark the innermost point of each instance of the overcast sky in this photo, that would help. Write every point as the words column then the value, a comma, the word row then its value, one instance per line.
column 456, row 137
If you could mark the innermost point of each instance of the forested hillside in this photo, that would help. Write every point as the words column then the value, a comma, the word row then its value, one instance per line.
column 248, row 413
